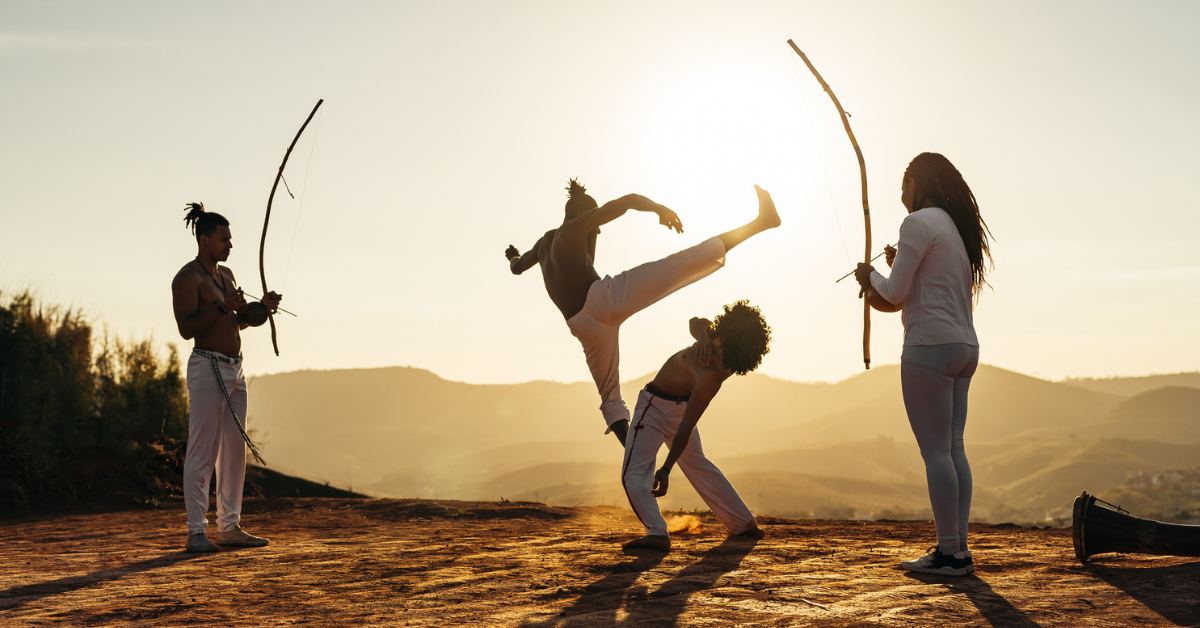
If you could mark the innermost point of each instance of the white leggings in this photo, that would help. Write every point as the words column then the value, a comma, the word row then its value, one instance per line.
column 935, row 380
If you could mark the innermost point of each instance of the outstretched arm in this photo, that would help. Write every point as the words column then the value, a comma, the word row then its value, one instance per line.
column 519, row 263
column 706, row 388
column 610, row 211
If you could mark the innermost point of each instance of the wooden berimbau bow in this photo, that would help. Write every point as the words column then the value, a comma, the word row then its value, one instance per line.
column 862, row 167
column 266, row 221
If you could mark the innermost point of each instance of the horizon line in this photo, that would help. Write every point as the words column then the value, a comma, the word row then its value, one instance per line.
column 1064, row 380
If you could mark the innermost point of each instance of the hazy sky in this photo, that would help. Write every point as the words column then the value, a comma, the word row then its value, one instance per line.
column 450, row 128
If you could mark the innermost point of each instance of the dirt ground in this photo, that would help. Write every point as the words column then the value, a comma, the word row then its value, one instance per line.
column 357, row 562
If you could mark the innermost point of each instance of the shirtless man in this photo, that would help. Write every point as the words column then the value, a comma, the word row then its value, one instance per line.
column 595, row 308
column 667, row 411
column 210, row 307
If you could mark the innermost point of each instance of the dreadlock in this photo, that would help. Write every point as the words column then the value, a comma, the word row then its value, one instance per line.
column 745, row 336
column 578, row 200
column 201, row 222
column 940, row 184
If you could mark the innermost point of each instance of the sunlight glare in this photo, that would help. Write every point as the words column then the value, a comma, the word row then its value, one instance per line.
column 723, row 129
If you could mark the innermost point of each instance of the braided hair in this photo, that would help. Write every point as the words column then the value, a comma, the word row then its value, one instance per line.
column 201, row 222
column 940, row 184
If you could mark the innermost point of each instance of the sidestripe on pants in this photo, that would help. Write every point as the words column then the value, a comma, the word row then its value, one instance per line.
column 655, row 426
column 214, row 442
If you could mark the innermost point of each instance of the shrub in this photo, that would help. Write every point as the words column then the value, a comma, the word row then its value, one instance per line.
column 56, row 397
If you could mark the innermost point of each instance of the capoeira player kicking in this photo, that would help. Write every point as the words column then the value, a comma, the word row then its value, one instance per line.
column 667, row 411
column 595, row 307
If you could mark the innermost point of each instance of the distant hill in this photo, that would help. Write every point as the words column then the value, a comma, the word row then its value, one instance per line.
column 355, row 426
column 1004, row 405
column 1031, row 482
column 405, row 432
column 1162, row 494
column 881, row 459
column 1095, row 466
column 1169, row 414
column 1130, row 386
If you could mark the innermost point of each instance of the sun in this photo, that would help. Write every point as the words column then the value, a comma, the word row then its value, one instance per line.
column 723, row 128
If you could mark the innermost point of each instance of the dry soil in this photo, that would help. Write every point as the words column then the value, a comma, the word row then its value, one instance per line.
column 351, row 562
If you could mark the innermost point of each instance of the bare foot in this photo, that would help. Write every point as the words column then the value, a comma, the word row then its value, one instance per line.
column 754, row 533
column 768, row 217
column 650, row 541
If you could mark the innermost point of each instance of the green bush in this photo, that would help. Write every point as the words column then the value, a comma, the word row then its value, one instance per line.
column 137, row 396
column 58, row 396
column 46, row 385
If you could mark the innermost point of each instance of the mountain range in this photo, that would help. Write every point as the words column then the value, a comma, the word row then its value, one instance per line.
column 792, row 448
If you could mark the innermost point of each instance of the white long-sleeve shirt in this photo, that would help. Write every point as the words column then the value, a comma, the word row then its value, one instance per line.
column 931, row 277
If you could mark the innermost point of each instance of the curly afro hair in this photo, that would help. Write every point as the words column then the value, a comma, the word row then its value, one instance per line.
column 745, row 336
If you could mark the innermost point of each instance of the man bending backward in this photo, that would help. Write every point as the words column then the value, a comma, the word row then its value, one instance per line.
column 595, row 308
column 667, row 411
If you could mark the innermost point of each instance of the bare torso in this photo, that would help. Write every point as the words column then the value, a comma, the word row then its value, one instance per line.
column 196, row 293
column 567, row 256
column 681, row 372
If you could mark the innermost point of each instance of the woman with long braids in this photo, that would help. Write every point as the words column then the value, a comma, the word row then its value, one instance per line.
column 937, row 270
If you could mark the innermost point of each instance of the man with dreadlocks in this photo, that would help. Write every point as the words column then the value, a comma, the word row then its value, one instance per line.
column 667, row 411
column 938, row 268
column 595, row 308
column 210, row 307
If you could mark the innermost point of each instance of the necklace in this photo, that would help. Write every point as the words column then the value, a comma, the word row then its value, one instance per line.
column 220, row 285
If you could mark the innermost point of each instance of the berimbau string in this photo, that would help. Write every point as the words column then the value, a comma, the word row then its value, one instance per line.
column 821, row 158
column 303, row 190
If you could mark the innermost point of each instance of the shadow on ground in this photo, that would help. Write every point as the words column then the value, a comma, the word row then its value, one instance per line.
column 601, row 600
column 17, row 596
column 1159, row 588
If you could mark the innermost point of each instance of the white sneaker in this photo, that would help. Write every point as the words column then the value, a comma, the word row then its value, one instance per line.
column 936, row 562
column 237, row 537
column 199, row 543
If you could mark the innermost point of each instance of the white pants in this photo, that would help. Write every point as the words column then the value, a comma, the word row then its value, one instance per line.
column 656, row 423
column 935, row 380
column 613, row 299
column 214, row 442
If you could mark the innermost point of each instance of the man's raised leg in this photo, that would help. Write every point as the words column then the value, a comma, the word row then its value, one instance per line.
column 612, row 300
column 642, row 286
column 768, row 218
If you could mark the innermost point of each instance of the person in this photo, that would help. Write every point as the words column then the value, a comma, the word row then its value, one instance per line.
column 938, row 267
column 211, row 308
column 594, row 308
column 667, row 411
